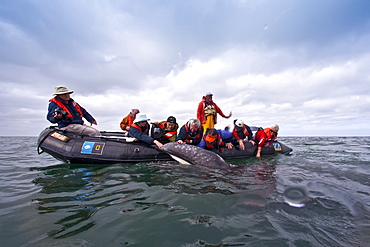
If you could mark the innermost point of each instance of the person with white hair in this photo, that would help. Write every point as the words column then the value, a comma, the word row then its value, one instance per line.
column 266, row 137
column 191, row 132
column 68, row 114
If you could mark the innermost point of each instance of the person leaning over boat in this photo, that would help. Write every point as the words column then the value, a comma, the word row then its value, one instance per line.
column 128, row 120
column 207, row 112
column 240, row 132
column 216, row 139
column 169, row 129
column 64, row 111
column 191, row 132
column 265, row 137
column 140, row 130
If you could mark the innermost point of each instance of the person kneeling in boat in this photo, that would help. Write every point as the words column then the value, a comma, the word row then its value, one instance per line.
column 128, row 120
column 241, row 131
column 64, row 111
column 169, row 130
column 266, row 137
column 216, row 139
column 191, row 132
column 140, row 130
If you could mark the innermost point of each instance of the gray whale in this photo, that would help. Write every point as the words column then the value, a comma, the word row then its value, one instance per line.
column 195, row 155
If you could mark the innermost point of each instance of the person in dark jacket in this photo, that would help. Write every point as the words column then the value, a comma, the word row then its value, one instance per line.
column 241, row 131
column 191, row 132
column 65, row 112
column 140, row 130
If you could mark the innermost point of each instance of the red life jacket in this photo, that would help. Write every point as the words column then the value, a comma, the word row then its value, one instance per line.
column 244, row 131
column 198, row 133
column 268, row 134
column 64, row 108
column 145, row 130
column 167, row 135
column 262, row 136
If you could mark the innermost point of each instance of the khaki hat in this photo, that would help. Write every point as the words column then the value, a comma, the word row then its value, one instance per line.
column 62, row 90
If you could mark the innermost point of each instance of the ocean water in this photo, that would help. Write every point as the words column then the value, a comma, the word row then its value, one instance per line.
column 317, row 196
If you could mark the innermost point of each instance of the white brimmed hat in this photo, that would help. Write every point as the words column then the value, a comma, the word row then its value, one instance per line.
column 140, row 118
column 239, row 123
column 62, row 90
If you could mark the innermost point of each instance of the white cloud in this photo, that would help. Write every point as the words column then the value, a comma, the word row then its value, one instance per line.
column 162, row 57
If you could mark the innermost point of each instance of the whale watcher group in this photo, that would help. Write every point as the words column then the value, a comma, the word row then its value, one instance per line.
column 199, row 131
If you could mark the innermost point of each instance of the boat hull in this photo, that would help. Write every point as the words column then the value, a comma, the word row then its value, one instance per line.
column 113, row 147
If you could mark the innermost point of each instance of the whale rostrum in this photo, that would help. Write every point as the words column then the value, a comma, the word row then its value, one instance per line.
column 195, row 155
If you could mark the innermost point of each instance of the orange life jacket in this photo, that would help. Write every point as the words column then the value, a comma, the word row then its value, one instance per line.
column 64, row 108
column 126, row 122
column 215, row 144
column 130, row 120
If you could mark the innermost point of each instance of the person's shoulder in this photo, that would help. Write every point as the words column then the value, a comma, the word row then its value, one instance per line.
column 220, row 131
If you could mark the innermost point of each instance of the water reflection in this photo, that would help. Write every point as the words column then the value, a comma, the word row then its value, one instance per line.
column 70, row 189
column 73, row 194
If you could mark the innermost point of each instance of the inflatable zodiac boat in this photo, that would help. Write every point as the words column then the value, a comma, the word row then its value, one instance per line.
column 114, row 147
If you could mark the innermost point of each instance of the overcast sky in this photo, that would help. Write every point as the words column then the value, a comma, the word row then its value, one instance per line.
column 304, row 65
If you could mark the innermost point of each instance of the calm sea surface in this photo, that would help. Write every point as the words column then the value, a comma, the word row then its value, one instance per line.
column 317, row 196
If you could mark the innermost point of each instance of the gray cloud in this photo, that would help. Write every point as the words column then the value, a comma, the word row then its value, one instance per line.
column 301, row 64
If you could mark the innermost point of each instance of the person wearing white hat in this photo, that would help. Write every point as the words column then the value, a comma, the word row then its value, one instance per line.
column 207, row 112
column 240, row 132
column 65, row 112
column 140, row 130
